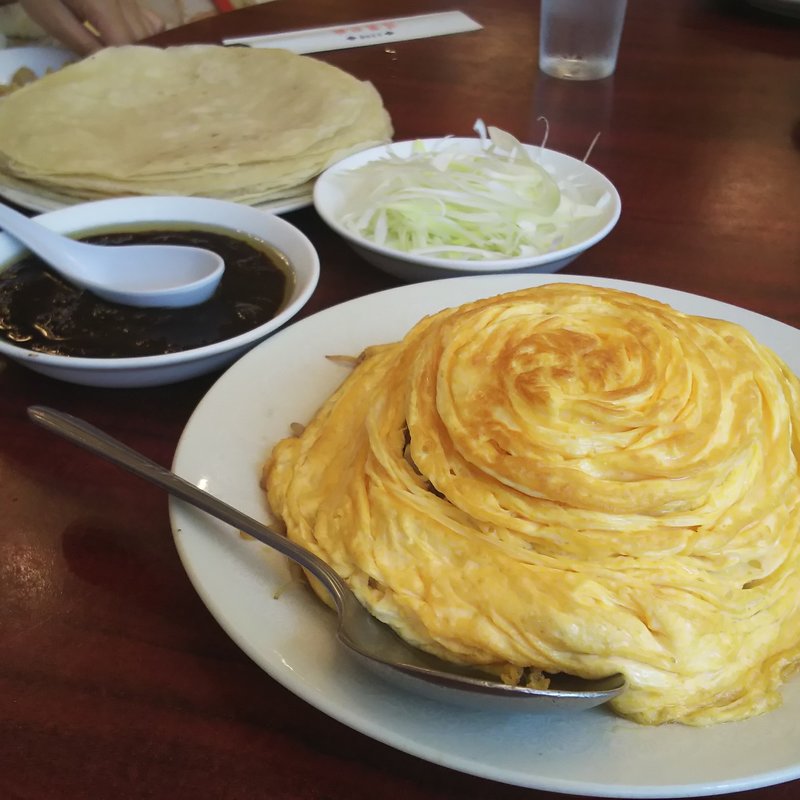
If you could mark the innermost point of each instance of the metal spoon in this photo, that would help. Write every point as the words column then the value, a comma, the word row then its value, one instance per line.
column 371, row 641
column 145, row 275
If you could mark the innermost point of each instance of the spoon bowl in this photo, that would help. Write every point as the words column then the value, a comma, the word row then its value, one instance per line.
column 372, row 642
column 148, row 275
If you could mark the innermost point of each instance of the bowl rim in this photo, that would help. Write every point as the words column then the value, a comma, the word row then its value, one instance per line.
column 303, row 291
column 322, row 203
column 37, row 57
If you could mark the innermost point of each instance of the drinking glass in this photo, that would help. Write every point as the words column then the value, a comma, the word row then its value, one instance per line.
column 579, row 39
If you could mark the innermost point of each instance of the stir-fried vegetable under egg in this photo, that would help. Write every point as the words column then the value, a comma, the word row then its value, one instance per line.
column 572, row 479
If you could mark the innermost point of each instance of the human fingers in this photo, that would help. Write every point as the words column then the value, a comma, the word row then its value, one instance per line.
column 116, row 21
column 61, row 23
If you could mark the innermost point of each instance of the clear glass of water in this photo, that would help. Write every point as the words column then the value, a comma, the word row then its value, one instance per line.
column 579, row 39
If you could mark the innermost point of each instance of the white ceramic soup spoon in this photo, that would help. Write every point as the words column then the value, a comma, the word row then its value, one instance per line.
column 145, row 275
column 374, row 643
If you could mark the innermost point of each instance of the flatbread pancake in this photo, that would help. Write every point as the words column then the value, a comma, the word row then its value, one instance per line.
column 236, row 123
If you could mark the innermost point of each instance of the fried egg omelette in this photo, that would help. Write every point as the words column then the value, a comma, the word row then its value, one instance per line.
column 569, row 479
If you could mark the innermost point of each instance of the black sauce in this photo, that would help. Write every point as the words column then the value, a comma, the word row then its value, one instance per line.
column 40, row 311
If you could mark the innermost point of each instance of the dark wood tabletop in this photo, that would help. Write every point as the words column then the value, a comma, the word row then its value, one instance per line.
column 115, row 681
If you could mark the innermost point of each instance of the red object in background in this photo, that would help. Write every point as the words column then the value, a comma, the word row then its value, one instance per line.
column 223, row 5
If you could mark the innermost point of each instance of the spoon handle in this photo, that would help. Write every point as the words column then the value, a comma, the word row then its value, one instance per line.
column 52, row 247
column 96, row 441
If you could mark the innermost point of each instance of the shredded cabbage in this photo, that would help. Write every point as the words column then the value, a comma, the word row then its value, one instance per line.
column 451, row 203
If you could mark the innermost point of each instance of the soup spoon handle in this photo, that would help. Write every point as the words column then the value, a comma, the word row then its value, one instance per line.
column 52, row 248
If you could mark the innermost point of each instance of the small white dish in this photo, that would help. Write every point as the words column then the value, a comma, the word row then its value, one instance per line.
column 155, row 370
column 39, row 60
column 331, row 199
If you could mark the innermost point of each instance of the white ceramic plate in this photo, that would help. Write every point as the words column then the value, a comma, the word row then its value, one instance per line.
column 45, row 201
column 590, row 753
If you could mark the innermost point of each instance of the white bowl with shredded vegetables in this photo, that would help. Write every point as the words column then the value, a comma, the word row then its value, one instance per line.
column 437, row 208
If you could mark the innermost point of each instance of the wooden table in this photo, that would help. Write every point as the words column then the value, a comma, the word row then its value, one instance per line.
column 114, row 679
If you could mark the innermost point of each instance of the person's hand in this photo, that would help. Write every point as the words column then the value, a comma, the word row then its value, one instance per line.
column 116, row 22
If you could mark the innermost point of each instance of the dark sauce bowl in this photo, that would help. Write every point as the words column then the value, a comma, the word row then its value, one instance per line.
column 190, row 356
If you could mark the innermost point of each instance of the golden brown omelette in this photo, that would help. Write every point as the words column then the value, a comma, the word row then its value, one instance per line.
column 573, row 479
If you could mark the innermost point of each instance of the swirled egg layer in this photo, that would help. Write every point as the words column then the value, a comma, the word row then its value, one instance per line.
column 569, row 479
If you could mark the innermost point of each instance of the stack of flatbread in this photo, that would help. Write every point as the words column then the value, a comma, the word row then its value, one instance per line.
column 248, row 125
